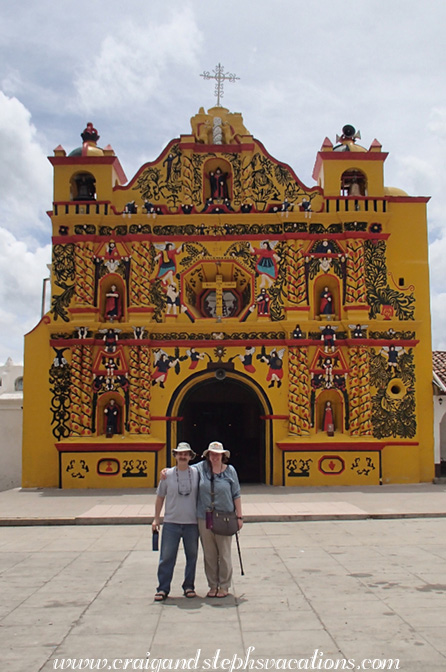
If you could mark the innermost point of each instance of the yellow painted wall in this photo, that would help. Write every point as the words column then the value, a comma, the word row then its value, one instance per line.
column 58, row 400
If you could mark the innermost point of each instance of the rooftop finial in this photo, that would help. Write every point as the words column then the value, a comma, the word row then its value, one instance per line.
column 90, row 134
column 220, row 76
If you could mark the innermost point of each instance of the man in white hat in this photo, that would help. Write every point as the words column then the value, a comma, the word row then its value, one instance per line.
column 179, row 491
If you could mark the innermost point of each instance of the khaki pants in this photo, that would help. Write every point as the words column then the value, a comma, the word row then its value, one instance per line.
column 217, row 557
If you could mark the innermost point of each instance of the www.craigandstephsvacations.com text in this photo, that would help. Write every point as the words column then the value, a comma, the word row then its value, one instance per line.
column 248, row 661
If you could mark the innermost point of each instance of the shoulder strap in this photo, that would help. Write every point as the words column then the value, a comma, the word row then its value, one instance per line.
column 212, row 491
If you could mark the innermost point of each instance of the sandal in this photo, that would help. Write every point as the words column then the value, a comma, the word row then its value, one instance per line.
column 160, row 596
column 190, row 592
column 212, row 593
column 221, row 593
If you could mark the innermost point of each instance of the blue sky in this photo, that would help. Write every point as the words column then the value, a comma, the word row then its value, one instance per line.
column 305, row 68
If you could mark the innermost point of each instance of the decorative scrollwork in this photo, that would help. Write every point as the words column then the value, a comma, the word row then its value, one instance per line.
column 85, row 229
column 64, row 269
column 320, row 228
column 236, row 336
column 155, row 184
column 393, row 415
column 60, row 380
column 379, row 293
column 355, row 226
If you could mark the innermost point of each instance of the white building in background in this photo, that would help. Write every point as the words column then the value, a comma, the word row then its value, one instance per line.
column 11, row 415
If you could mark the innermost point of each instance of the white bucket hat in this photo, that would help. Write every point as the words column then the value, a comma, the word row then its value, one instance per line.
column 182, row 446
column 216, row 447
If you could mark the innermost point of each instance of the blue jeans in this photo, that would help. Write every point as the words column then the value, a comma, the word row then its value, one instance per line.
column 172, row 533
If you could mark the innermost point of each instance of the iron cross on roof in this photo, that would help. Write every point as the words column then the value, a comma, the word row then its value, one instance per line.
column 220, row 76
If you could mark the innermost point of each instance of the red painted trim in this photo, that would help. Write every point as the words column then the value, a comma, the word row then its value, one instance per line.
column 361, row 446
column 89, row 202
column 351, row 157
column 111, row 447
column 352, row 342
column 149, row 237
column 290, row 342
column 90, row 161
column 408, row 199
column 274, row 417
column 200, row 148
column 104, row 473
column 215, row 343
column 330, row 457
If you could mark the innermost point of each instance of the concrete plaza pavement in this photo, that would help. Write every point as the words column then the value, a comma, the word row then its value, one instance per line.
column 37, row 506
column 367, row 584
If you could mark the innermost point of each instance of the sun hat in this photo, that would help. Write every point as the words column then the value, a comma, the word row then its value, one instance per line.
column 216, row 447
column 182, row 446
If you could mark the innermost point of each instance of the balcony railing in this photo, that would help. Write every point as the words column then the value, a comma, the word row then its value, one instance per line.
column 82, row 208
column 355, row 204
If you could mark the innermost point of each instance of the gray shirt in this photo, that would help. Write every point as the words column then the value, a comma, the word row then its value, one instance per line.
column 179, row 508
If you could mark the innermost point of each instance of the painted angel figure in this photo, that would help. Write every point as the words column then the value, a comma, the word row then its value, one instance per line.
column 59, row 359
column 358, row 330
column 167, row 263
column 392, row 353
column 112, row 265
column 325, row 264
column 194, row 357
column 246, row 359
column 82, row 332
column 138, row 332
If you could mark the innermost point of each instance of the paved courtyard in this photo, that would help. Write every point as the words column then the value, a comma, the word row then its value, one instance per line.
column 322, row 590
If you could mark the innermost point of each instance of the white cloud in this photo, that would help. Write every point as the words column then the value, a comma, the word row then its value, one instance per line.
column 438, row 308
column 134, row 65
column 437, row 122
column 25, row 173
column 21, row 280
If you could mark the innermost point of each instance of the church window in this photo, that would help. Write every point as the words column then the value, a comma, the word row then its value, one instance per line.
column 83, row 187
column 353, row 183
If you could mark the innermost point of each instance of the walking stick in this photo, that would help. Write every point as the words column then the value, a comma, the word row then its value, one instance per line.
column 239, row 555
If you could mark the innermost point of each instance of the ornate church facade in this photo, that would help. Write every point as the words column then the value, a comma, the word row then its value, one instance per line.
column 216, row 297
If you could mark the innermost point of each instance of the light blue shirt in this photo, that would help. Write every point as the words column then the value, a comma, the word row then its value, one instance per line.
column 226, row 489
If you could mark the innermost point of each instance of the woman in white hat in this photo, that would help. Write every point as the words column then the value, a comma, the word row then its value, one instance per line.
column 217, row 474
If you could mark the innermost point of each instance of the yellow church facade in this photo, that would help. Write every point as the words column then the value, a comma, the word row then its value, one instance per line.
column 214, row 296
